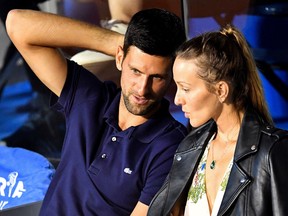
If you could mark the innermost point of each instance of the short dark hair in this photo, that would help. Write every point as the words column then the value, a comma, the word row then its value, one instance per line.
column 156, row 32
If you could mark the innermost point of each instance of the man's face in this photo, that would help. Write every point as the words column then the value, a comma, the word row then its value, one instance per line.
column 144, row 80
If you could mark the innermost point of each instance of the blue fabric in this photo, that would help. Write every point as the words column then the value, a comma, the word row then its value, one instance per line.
column 24, row 176
column 13, row 97
column 103, row 170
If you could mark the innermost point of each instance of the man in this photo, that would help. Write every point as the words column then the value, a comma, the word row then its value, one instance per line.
column 119, row 143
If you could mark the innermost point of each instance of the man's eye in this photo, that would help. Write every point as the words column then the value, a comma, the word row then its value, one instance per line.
column 157, row 78
column 135, row 71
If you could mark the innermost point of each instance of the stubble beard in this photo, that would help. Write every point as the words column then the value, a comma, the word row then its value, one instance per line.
column 140, row 110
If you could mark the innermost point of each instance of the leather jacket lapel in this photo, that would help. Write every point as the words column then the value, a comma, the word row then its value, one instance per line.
column 189, row 152
column 239, row 177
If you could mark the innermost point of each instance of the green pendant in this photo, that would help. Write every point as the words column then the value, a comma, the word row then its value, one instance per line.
column 213, row 164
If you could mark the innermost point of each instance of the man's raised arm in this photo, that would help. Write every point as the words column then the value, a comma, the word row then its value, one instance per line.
column 38, row 35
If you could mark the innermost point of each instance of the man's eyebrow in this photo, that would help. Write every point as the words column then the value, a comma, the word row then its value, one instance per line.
column 161, row 75
column 134, row 68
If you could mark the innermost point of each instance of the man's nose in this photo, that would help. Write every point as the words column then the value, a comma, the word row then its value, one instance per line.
column 143, row 86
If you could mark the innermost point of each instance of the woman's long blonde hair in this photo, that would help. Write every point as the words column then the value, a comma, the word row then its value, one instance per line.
column 225, row 55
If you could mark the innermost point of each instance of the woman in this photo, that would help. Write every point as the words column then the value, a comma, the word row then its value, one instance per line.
column 233, row 162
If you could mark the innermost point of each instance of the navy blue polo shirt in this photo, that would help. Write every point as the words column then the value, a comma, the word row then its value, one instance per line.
column 104, row 170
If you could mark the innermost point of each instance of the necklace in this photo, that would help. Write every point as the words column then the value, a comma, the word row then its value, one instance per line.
column 228, row 144
column 213, row 163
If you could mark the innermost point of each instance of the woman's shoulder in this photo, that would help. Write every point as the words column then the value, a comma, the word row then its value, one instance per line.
column 275, row 139
column 274, row 132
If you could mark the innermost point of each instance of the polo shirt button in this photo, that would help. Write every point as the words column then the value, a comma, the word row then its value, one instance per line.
column 114, row 139
column 103, row 156
column 178, row 158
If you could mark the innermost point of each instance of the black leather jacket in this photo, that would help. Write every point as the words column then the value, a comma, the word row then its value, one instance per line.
column 258, row 182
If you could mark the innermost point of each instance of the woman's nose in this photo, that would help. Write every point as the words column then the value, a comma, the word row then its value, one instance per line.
column 178, row 99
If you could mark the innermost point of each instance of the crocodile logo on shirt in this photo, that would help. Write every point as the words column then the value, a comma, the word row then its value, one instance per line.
column 128, row 171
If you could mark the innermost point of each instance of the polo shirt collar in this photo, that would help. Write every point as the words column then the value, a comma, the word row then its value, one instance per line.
column 147, row 131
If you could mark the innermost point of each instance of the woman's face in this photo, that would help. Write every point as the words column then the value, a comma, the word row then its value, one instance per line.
column 198, row 104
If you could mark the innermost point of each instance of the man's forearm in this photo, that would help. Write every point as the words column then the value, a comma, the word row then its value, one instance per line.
column 45, row 29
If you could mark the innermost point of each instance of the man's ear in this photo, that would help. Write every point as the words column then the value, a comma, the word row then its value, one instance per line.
column 119, row 58
column 222, row 90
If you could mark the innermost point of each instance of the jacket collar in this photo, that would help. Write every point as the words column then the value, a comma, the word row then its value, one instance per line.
column 186, row 158
column 196, row 138
column 249, row 135
column 192, row 148
column 247, row 143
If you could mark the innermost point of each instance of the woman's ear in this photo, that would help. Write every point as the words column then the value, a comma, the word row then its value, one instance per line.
column 119, row 58
column 222, row 90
